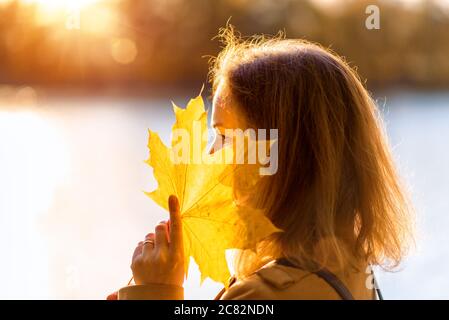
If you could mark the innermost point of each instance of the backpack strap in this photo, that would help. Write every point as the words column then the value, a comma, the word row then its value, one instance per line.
column 376, row 287
column 327, row 276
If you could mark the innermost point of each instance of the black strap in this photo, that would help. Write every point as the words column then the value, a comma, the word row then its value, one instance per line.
column 376, row 286
column 327, row 276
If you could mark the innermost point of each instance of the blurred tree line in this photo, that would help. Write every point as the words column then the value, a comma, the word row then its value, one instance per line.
column 173, row 40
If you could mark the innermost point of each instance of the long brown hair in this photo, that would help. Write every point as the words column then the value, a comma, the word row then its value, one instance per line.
column 336, row 194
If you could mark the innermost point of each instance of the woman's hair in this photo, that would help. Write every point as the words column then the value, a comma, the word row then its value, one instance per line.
column 336, row 193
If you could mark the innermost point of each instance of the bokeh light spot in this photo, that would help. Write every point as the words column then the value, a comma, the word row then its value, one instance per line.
column 123, row 51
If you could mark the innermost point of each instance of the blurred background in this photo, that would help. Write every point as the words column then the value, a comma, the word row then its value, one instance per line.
column 82, row 80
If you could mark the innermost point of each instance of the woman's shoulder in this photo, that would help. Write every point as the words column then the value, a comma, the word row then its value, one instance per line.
column 275, row 281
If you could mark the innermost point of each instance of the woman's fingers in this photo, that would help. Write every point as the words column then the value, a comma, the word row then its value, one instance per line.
column 137, row 250
column 113, row 296
column 175, row 223
column 147, row 246
column 161, row 240
column 150, row 236
column 165, row 233
column 163, row 260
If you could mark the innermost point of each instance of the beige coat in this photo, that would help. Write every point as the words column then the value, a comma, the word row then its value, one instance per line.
column 271, row 282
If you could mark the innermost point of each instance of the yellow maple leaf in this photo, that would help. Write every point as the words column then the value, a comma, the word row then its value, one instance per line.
column 212, row 221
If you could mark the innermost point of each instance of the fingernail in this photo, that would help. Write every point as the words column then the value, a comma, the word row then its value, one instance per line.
column 173, row 202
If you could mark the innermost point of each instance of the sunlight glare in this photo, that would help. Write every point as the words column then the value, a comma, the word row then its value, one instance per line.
column 61, row 4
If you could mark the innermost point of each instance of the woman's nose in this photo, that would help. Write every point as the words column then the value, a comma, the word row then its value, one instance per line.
column 211, row 149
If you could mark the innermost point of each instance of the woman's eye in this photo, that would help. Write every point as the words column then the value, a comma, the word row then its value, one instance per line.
column 223, row 137
column 220, row 141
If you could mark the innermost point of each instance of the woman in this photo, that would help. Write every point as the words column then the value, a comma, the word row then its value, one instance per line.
column 336, row 194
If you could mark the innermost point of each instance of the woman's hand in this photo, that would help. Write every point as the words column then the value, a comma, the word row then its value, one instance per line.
column 160, row 258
